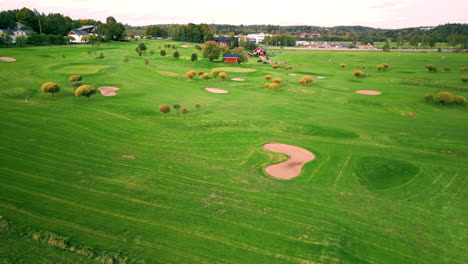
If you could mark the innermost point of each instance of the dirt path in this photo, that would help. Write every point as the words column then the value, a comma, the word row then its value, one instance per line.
column 293, row 166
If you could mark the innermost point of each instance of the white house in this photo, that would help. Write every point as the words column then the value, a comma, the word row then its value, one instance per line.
column 16, row 32
column 78, row 33
column 257, row 38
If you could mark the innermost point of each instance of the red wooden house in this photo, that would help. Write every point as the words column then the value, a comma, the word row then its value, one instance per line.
column 259, row 52
column 231, row 58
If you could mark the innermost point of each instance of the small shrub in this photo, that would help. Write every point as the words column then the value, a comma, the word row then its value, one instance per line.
column 197, row 106
column 357, row 66
column 464, row 79
column 223, row 75
column 74, row 78
column 164, row 108
column 306, row 80
column 379, row 67
column 184, row 111
column 126, row 59
column 343, row 65
column 446, row 69
column 460, row 100
column 176, row 107
column 201, row 72
column 277, row 80
column 194, row 57
column 50, row 87
column 267, row 84
column 259, row 60
column 428, row 97
column 101, row 56
column 267, row 77
column 443, row 96
column 176, row 54
column 463, row 68
column 274, row 66
column 214, row 74
column 151, row 52
column 190, row 74
column 162, row 53
column 146, row 62
column 359, row 74
column 273, row 86
column 204, row 76
column 431, row 68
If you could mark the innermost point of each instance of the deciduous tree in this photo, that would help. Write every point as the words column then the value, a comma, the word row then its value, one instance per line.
column 164, row 108
column 211, row 50
column 50, row 87
column 85, row 90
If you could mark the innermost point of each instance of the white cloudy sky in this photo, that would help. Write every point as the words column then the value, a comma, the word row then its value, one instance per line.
column 374, row 13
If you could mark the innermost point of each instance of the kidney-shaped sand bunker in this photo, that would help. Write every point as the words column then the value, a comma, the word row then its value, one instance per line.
column 293, row 166
column 216, row 90
column 108, row 90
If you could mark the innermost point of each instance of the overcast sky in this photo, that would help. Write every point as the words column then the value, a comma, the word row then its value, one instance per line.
column 373, row 13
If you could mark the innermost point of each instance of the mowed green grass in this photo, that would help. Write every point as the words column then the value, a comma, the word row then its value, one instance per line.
column 386, row 186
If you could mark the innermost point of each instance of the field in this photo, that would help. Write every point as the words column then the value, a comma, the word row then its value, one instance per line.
column 387, row 185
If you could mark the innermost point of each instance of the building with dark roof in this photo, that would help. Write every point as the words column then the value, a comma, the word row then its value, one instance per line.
column 231, row 58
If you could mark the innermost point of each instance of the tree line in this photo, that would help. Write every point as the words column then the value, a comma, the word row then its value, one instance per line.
column 53, row 27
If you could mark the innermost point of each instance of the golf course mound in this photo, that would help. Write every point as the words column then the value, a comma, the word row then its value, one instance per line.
column 238, row 79
column 216, row 90
column 7, row 59
column 293, row 166
column 81, row 69
column 368, row 92
column 108, row 90
column 379, row 173
column 234, row 69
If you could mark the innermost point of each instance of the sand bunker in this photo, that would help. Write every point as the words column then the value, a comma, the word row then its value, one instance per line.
column 216, row 90
column 185, row 46
column 108, row 90
column 238, row 79
column 292, row 167
column 7, row 59
column 320, row 77
column 297, row 74
column 368, row 92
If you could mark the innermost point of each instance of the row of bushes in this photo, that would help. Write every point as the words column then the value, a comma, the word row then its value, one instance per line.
column 433, row 68
column 206, row 76
column 164, row 108
column 82, row 90
column 445, row 97
column 106, row 257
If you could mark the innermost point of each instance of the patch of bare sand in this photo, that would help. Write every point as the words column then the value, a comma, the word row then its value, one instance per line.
column 108, row 90
column 185, row 46
column 238, row 79
column 368, row 92
column 7, row 59
column 293, row 166
column 216, row 90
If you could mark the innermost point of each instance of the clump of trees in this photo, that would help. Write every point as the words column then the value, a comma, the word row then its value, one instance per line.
column 431, row 68
column 444, row 97
column 85, row 90
column 464, row 79
column 359, row 74
column 463, row 68
column 50, row 87
column 211, row 50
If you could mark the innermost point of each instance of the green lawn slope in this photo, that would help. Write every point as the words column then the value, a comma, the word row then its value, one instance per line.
column 388, row 184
